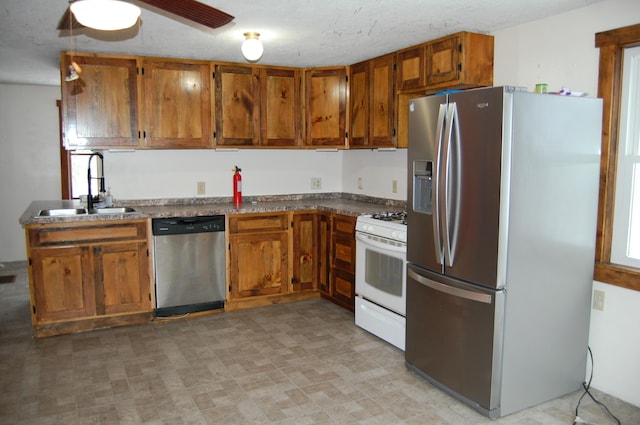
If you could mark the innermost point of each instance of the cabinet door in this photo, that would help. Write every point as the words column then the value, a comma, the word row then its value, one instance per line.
column 237, row 106
column 100, row 109
column 443, row 60
column 343, row 251
column 258, row 264
column 306, row 251
column 325, row 99
column 344, row 243
column 324, row 258
column 343, row 288
column 382, row 95
column 177, row 104
column 281, row 107
column 359, row 101
column 63, row 284
column 122, row 278
column 411, row 68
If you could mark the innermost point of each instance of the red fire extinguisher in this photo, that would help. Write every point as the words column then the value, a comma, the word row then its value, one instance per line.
column 237, row 186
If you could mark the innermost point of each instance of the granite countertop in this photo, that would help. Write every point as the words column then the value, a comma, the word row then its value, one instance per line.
column 347, row 204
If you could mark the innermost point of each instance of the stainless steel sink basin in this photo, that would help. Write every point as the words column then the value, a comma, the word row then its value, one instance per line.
column 113, row 210
column 56, row 212
column 61, row 212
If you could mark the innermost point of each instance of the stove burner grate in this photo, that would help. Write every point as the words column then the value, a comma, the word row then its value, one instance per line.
column 400, row 216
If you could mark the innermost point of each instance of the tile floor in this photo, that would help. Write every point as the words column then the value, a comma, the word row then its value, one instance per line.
column 299, row 363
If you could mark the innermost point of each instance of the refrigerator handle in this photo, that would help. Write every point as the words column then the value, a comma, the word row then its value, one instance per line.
column 437, row 237
column 451, row 290
column 451, row 184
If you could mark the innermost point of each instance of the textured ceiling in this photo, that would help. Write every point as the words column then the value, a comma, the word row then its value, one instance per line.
column 301, row 33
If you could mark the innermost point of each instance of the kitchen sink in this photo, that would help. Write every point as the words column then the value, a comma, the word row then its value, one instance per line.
column 113, row 210
column 61, row 212
column 56, row 212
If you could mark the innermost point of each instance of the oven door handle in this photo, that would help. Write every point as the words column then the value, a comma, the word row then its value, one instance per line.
column 369, row 241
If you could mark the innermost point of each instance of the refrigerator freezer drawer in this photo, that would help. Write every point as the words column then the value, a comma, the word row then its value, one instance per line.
column 454, row 336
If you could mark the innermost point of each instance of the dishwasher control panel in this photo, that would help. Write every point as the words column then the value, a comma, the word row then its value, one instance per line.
column 182, row 225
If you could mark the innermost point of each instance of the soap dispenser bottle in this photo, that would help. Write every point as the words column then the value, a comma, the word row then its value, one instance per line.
column 109, row 198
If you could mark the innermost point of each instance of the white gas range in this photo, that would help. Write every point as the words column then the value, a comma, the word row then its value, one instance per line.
column 381, row 275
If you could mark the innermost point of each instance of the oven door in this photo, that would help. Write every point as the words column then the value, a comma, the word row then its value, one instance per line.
column 381, row 271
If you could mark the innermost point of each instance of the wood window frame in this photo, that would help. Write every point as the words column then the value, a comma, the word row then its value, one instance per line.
column 611, row 44
column 65, row 159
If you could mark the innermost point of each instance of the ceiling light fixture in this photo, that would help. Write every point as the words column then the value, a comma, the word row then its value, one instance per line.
column 108, row 15
column 252, row 47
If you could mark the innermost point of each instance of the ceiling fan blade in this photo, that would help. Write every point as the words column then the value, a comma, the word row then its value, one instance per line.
column 193, row 11
column 68, row 21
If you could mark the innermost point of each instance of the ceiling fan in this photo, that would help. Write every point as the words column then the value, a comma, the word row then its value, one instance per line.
column 188, row 9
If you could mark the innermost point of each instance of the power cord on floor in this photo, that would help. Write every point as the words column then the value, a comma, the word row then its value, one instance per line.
column 587, row 387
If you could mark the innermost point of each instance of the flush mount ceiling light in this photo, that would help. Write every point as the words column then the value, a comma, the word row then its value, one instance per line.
column 252, row 47
column 108, row 15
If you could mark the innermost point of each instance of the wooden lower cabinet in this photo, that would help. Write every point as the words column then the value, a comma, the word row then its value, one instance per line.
column 306, row 251
column 342, row 260
column 258, row 255
column 86, row 276
column 277, row 257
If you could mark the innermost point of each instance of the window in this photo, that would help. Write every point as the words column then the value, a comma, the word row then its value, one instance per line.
column 73, row 168
column 616, row 245
column 625, row 246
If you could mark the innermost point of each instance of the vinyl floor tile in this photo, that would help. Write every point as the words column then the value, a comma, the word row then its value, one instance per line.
column 303, row 363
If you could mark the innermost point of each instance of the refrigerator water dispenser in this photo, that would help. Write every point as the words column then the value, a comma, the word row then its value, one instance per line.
column 422, row 186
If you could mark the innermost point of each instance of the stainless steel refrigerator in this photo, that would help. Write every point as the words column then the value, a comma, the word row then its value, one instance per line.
column 502, row 206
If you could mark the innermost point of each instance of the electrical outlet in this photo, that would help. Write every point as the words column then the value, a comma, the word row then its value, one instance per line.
column 394, row 186
column 598, row 300
column 316, row 183
column 201, row 188
column 360, row 184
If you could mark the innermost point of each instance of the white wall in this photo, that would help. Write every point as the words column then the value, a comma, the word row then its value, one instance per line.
column 175, row 173
column 560, row 51
column 377, row 170
column 29, row 158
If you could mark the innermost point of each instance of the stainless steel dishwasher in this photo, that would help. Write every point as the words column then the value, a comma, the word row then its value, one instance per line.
column 189, row 257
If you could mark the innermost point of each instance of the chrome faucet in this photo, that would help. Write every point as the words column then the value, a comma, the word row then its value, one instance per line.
column 100, row 179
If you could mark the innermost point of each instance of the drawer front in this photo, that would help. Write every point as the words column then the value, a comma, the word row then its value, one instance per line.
column 68, row 233
column 258, row 223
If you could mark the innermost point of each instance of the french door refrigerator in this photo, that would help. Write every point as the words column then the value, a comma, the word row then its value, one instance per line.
column 502, row 204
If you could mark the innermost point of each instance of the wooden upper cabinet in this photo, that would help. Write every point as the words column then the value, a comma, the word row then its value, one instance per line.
column 372, row 99
column 359, row 101
column 281, row 108
column 411, row 69
column 326, row 103
column 237, row 106
column 177, row 104
column 457, row 61
column 463, row 60
column 100, row 109
column 382, row 101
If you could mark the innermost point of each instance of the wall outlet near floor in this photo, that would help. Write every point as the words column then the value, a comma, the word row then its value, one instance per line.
column 201, row 188
column 394, row 186
column 360, row 184
column 316, row 183
column 598, row 300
